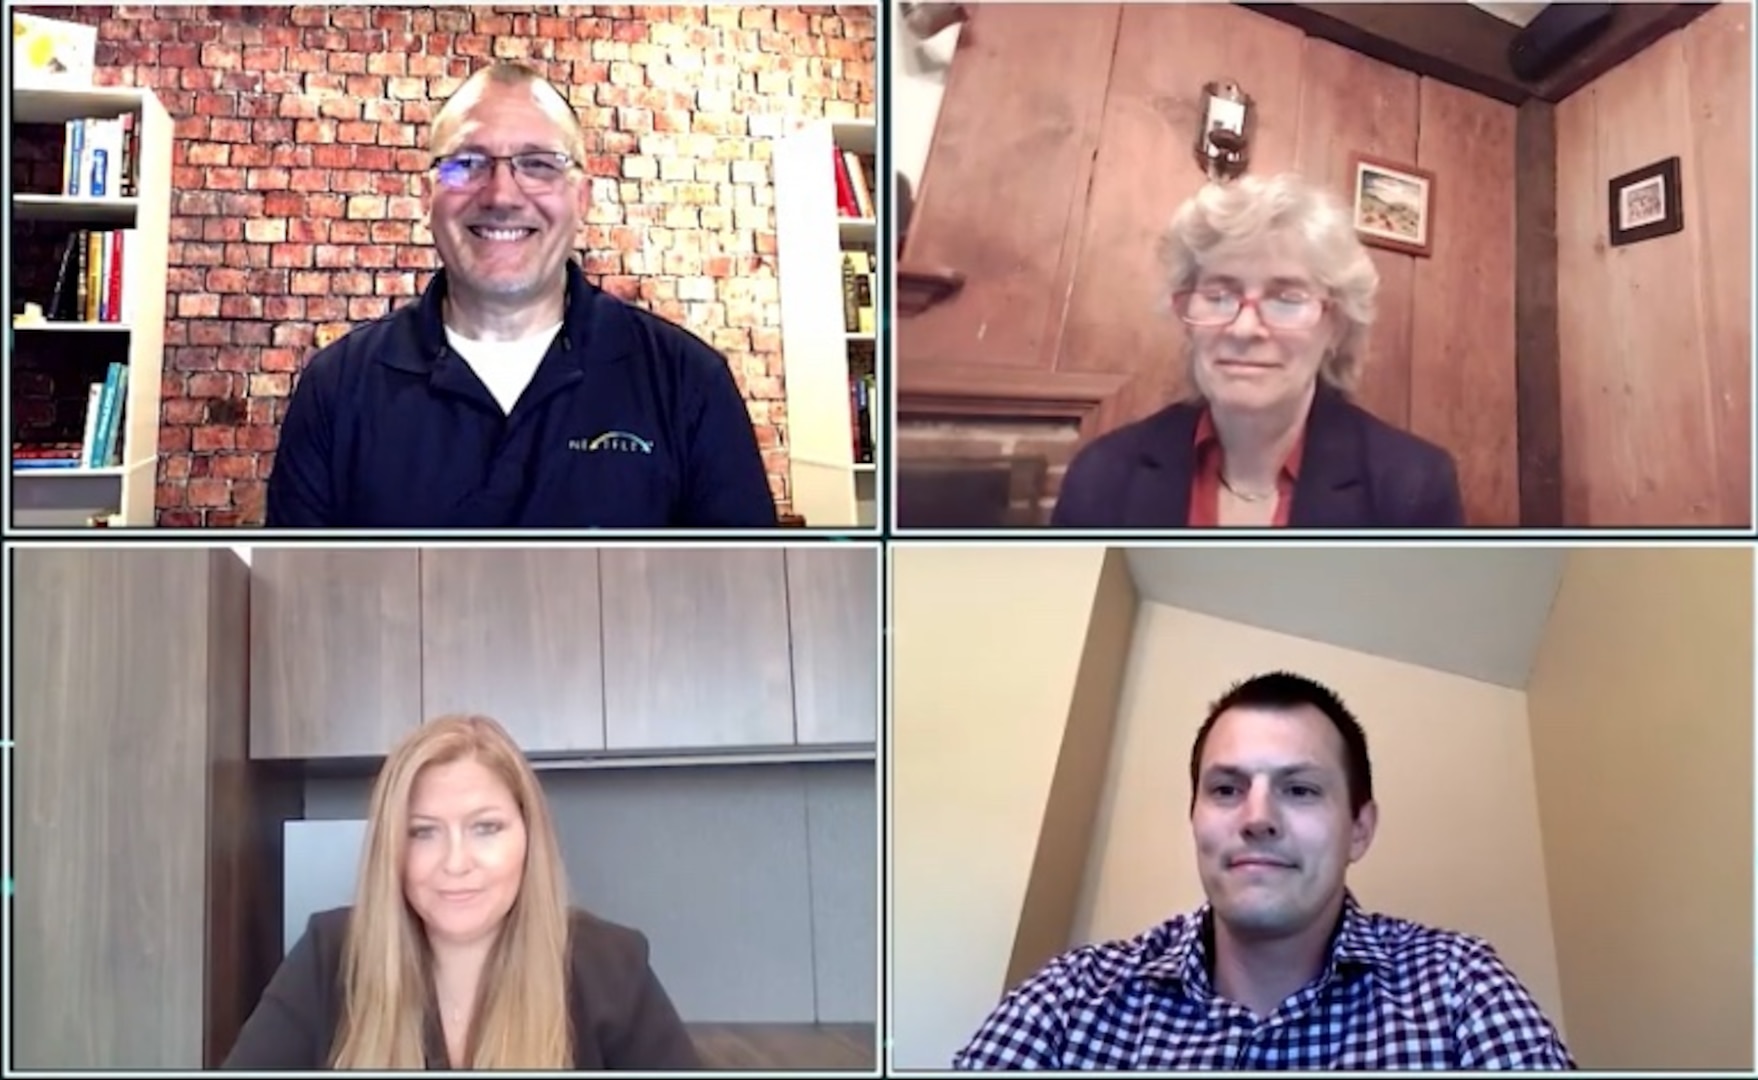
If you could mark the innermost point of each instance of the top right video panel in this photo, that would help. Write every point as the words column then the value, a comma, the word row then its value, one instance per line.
column 1339, row 267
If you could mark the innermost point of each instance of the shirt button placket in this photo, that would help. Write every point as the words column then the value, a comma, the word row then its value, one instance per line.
column 1249, row 1031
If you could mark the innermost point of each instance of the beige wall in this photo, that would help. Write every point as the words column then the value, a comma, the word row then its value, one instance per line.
column 986, row 648
column 1641, row 712
column 1458, row 843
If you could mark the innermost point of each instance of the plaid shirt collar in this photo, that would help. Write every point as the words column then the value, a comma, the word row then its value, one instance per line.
column 1178, row 951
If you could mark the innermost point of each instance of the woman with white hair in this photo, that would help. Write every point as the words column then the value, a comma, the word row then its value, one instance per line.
column 1276, row 294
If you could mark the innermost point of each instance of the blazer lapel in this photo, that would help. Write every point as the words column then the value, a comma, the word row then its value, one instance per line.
column 1332, row 490
column 1157, row 494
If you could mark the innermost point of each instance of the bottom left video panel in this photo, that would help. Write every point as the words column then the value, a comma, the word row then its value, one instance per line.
column 303, row 807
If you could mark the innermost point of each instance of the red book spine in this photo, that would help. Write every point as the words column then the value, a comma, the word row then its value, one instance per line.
column 845, row 189
column 113, row 307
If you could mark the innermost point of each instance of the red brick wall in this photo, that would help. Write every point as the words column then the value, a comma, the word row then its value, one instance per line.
column 301, row 133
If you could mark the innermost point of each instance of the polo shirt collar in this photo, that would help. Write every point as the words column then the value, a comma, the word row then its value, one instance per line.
column 578, row 323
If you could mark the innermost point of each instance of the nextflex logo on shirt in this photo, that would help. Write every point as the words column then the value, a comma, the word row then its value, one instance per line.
column 613, row 442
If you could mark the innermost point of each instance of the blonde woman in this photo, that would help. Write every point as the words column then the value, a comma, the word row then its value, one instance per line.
column 1276, row 295
column 461, row 950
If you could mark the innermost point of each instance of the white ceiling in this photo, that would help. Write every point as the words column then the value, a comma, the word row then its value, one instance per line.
column 1518, row 14
column 1474, row 612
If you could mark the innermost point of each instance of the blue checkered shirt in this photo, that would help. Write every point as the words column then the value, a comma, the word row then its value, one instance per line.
column 1392, row 995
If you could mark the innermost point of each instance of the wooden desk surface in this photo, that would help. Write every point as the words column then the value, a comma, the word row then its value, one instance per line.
column 786, row 1046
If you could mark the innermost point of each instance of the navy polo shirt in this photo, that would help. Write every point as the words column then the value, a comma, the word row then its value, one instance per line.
column 629, row 422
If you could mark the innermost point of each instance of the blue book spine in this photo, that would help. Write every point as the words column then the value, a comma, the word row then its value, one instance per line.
column 106, row 405
column 100, row 171
column 113, row 448
column 75, row 154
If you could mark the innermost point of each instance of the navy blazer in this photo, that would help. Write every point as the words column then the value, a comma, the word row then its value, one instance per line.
column 1356, row 472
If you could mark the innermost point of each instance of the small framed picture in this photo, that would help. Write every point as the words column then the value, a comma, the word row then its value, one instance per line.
column 1394, row 205
column 1646, row 203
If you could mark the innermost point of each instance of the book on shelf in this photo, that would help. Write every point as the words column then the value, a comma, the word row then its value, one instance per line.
column 89, row 283
column 101, row 446
column 860, row 288
column 55, row 455
column 100, row 157
column 864, row 416
column 854, row 184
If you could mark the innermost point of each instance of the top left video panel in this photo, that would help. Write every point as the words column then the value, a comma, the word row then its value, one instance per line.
column 400, row 269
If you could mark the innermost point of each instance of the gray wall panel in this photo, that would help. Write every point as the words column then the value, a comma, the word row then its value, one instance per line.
column 711, row 865
column 844, row 847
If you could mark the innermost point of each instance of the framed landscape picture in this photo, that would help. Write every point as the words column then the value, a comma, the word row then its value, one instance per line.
column 1394, row 205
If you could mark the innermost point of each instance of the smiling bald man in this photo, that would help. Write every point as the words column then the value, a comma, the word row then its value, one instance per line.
column 514, row 393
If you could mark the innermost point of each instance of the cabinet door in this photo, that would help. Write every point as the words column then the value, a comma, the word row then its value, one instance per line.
column 833, row 617
column 514, row 634
column 129, row 721
column 695, row 649
column 335, row 651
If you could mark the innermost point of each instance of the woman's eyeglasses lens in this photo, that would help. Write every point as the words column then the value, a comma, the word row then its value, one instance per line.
column 1220, row 307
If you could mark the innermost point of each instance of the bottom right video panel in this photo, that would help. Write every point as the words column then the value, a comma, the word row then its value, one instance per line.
column 1257, row 807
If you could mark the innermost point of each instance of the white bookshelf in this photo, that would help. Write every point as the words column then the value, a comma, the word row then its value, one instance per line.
column 125, row 493
column 830, row 487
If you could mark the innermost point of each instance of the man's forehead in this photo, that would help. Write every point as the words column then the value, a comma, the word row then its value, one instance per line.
column 477, row 108
column 1273, row 737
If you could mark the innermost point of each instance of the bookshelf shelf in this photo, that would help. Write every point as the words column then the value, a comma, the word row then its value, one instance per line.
column 823, row 359
column 861, row 136
column 61, row 104
column 86, row 211
column 121, row 494
column 113, row 470
column 66, row 497
column 63, row 327
column 857, row 230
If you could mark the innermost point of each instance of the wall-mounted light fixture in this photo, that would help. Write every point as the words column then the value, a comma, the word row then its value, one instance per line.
column 1223, row 140
column 926, row 20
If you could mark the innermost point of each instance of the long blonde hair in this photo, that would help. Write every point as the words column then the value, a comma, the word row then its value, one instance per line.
column 521, row 1015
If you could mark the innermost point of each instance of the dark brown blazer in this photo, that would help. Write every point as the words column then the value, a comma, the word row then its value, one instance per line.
column 621, row 1016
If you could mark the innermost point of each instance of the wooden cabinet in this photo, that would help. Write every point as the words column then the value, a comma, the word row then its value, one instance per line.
column 696, row 648
column 335, row 653
column 514, row 634
column 833, row 624
column 574, row 650
column 136, row 899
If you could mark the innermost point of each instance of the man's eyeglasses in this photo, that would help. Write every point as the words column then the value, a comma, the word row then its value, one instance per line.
column 533, row 170
column 1213, row 307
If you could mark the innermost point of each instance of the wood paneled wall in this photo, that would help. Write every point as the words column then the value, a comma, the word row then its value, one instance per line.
column 1064, row 145
column 1655, row 338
